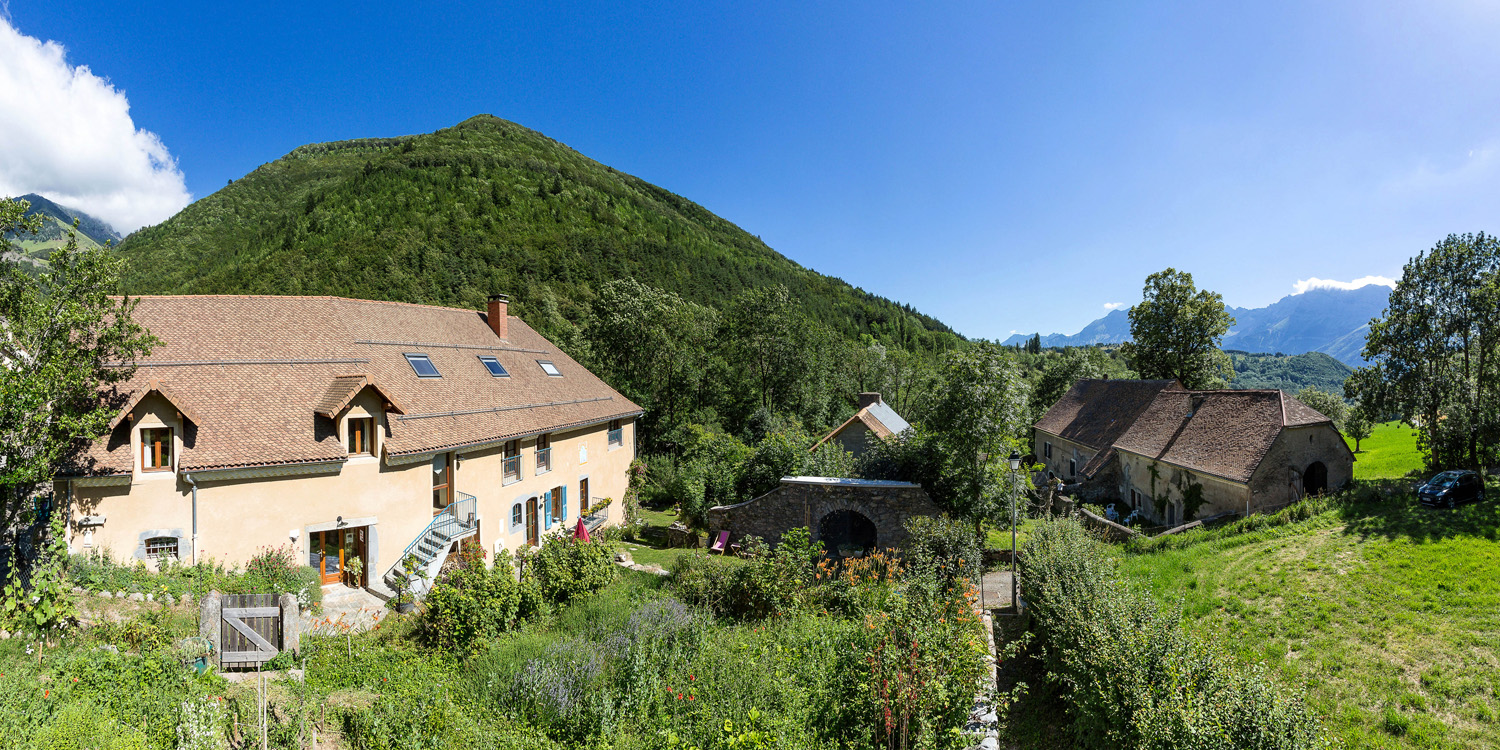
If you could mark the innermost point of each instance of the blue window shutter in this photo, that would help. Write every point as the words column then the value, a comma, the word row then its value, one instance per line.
column 547, row 511
column 565, row 502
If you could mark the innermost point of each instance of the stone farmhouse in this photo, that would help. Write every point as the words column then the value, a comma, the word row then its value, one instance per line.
column 874, row 417
column 346, row 428
column 1176, row 455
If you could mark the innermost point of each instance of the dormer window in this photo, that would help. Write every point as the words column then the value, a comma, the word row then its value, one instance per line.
column 493, row 365
column 361, row 436
column 156, row 449
column 422, row 365
column 549, row 368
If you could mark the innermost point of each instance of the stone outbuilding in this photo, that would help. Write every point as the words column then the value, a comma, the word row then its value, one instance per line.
column 1192, row 454
column 1075, row 439
column 850, row 516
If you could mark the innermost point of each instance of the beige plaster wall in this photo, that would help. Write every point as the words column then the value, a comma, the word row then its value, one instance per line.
column 1062, row 450
column 1219, row 494
column 237, row 517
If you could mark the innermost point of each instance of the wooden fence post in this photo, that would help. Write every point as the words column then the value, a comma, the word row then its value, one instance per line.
column 210, row 611
column 291, row 624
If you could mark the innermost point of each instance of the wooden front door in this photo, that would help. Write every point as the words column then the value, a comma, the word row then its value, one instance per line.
column 331, row 551
column 533, row 533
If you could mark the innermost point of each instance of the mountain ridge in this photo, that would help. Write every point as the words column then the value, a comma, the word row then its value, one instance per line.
column 1331, row 321
column 31, row 250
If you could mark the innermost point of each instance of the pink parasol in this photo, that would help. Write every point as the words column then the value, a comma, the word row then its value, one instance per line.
column 581, row 533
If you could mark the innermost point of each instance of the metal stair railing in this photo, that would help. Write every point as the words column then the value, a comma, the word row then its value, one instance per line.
column 456, row 521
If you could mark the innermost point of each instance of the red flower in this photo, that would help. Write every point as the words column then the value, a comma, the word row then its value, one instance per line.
column 46, row 693
column 679, row 696
column 690, row 677
column 692, row 698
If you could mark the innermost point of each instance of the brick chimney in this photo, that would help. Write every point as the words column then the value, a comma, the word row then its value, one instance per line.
column 869, row 398
column 499, row 315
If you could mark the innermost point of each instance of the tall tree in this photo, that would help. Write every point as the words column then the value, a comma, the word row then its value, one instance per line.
column 1176, row 330
column 980, row 416
column 63, row 340
column 1436, row 353
column 1357, row 426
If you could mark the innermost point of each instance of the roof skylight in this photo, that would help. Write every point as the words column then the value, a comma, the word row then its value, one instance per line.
column 422, row 365
column 549, row 368
column 493, row 365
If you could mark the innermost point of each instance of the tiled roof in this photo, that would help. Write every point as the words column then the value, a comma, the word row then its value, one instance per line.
column 1096, row 413
column 254, row 370
column 878, row 417
column 1226, row 433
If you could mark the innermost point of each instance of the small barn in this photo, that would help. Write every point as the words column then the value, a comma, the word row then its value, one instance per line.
column 874, row 417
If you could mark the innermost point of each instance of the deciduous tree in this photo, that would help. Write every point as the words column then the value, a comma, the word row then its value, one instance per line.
column 1436, row 353
column 1330, row 405
column 63, row 339
column 1177, row 329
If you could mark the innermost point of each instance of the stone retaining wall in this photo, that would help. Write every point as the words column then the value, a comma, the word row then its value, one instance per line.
column 804, row 501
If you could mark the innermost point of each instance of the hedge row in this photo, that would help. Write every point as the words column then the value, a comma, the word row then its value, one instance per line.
column 1133, row 677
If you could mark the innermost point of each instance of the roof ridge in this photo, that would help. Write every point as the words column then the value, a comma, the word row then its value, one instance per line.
column 330, row 297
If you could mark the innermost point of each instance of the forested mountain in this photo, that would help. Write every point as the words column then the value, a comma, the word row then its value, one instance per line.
column 1332, row 321
column 485, row 206
column 1290, row 373
column 57, row 222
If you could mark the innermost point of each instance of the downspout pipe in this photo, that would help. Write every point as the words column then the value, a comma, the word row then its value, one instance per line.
column 189, row 479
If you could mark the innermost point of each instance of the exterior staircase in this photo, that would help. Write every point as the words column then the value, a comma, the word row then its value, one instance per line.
column 455, row 522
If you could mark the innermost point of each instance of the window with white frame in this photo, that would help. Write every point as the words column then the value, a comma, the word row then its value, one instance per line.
column 158, row 547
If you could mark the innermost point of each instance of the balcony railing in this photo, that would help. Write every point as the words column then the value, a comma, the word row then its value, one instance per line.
column 596, row 519
column 512, row 469
column 616, row 438
column 543, row 460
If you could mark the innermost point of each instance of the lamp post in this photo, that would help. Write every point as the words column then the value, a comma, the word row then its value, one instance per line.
column 1015, row 465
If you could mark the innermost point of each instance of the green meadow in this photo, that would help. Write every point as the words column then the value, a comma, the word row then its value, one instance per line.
column 1386, row 612
column 1390, row 451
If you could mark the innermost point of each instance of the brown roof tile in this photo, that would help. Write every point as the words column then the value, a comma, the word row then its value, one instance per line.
column 1096, row 413
column 1226, row 433
column 258, row 370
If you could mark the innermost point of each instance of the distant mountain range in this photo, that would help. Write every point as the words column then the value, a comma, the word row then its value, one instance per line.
column 57, row 222
column 1332, row 321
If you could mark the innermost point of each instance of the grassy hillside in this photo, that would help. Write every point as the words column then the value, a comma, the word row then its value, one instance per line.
column 32, row 250
column 1390, row 451
column 1388, row 613
column 1290, row 373
column 485, row 206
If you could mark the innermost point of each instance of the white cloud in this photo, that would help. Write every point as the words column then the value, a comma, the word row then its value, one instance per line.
column 66, row 134
column 1114, row 305
column 1316, row 283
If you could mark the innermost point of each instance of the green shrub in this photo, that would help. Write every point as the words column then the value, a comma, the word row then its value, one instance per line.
column 768, row 582
column 86, row 726
column 471, row 604
column 945, row 547
column 565, row 568
column 1132, row 676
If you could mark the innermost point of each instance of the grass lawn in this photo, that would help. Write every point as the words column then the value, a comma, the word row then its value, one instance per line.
column 1388, row 614
column 1390, row 451
column 999, row 538
column 649, row 554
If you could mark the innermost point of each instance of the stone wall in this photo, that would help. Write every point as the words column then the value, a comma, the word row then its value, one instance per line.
column 804, row 501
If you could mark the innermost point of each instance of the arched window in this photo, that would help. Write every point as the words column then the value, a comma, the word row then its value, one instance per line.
column 161, row 546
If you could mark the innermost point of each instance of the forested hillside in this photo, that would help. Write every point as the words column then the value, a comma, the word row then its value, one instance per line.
column 31, row 250
column 485, row 206
column 1289, row 373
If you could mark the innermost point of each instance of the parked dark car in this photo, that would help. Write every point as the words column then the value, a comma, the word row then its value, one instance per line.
column 1451, row 488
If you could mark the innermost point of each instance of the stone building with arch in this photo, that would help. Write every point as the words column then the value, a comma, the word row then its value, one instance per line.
column 1195, row 454
column 850, row 516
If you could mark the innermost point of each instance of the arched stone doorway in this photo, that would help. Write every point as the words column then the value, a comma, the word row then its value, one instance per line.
column 1315, row 479
column 847, row 533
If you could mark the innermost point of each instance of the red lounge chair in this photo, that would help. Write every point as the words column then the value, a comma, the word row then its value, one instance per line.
column 720, row 545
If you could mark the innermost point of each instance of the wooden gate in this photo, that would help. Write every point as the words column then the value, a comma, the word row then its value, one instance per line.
column 249, row 630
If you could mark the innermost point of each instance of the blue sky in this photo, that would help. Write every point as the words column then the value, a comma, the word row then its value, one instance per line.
column 1003, row 166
